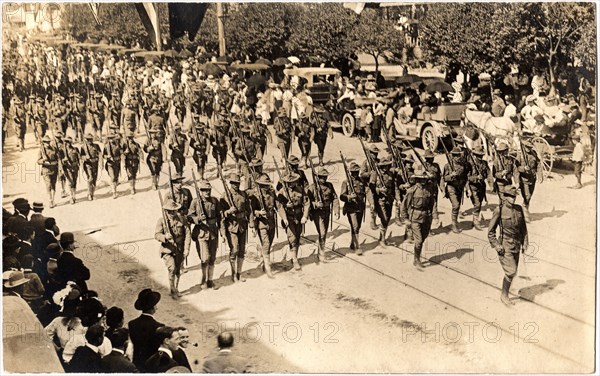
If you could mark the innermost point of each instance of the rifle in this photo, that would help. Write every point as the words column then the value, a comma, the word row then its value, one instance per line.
column 227, row 191
column 470, row 155
column 287, row 192
column 371, row 163
column 58, row 158
column 525, row 157
column 316, row 182
column 199, row 196
column 171, row 182
column 165, row 219
column 448, row 158
column 348, row 177
column 398, row 164
column 419, row 157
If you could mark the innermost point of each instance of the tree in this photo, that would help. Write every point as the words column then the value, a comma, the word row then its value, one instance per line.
column 319, row 32
column 374, row 35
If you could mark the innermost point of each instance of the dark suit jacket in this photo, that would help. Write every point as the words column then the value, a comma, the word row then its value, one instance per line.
column 15, row 223
column 226, row 362
column 85, row 360
column 181, row 358
column 115, row 362
column 40, row 242
column 160, row 362
column 142, row 333
column 70, row 268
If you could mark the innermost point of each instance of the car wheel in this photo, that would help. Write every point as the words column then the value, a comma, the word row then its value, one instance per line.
column 348, row 124
column 429, row 139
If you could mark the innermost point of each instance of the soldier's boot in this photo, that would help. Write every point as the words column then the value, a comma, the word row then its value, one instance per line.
column 114, row 190
column 373, row 220
column 359, row 250
column 321, row 159
column 295, row 261
column 209, row 282
column 204, row 267
column 173, row 290
column 321, row 249
column 176, row 283
column 417, row 261
column 408, row 235
column 267, row 268
column 201, row 172
column 455, row 228
column 154, row 182
column 238, row 274
column 21, row 144
column 526, row 214
column 352, row 243
column 72, row 196
column 132, row 187
column 63, row 192
column 89, row 195
column 233, row 271
column 382, row 234
column 504, row 296
column 92, row 190
column 476, row 222
column 52, row 193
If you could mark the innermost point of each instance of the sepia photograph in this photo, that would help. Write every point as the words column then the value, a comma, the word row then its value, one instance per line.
column 299, row 187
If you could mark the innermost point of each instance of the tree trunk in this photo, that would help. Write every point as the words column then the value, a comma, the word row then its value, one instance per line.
column 552, row 75
column 376, row 63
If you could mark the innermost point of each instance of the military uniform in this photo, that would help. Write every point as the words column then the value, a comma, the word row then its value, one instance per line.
column 183, row 197
column 263, row 217
column 129, row 118
column 478, row 173
column 48, row 159
column 261, row 135
column 156, row 123
column 527, row 168
column 219, row 141
column 293, row 166
column 512, row 239
column 294, row 211
column 353, row 195
column 78, row 115
column 97, row 111
column 199, row 144
column 244, row 150
column 114, row 109
column 132, row 153
column 90, row 156
column 384, row 189
column 503, row 169
column 205, row 213
column 365, row 174
column 20, row 123
column 112, row 155
column 456, row 178
column 324, row 200
column 60, row 114
column 154, row 159
column 434, row 170
column 403, row 183
column 71, row 166
column 236, row 213
column 39, row 118
column 417, row 208
column 283, row 131
column 305, row 133
column 170, row 232
column 179, row 104
column 322, row 131
column 178, row 146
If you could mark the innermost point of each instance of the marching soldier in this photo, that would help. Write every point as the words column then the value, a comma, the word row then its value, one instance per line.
column 154, row 157
column 199, row 144
column 97, row 112
column 178, row 146
column 133, row 154
column 306, row 134
column 260, row 134
column 478, row 172
column 20, row 122
column 170, row 232
column 244, row 150
column 182, row 196
column 90, row 156
column 353, row 195
column 179, row 104
column 324, row 201
column 60, row 113
column 114, row 109
column 78, row 115
column 384, row 188
column 236, row 212
column 283, row 131
column 435, row 171
column 264, row 218
column 503, row 169
column 256, row 170
column 417, row 208
column 293, row 166
column 293, row 210
column 322, row 131
column 71, row 165
column 365, row 174
column 48, row 159
column 129, row 117
column 39, row 116
column 527, row 167
column 112, row 155
column 157, row 122
column 455, row 176
column 218, row 139
column 511, row 240
column 205, row 213
column 403, row 182
column 60, row 150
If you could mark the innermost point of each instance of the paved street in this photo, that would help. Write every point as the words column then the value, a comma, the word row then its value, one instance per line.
column 370, row 313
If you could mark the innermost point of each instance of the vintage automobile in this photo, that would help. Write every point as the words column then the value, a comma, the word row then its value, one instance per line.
column 318, row 82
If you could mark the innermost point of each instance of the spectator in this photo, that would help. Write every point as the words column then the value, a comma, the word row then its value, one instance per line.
column 511, row 110
column 14, row 280
column 33, row 292
column 116, row 361
column 19, row 219
column 37, row 220
column 498, row 104
column 66, row 325
column 87, row 358
column 162, row 360
column 114, row 320
column 25, row 235
column 179, row 354
column 71, row 268
column 577, row 158
column 142, row 329
column 42, row 240
column 225, row 361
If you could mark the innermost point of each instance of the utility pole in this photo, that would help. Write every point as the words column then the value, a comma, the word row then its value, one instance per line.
column 221, row 30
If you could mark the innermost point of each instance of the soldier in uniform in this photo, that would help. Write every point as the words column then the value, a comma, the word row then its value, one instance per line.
column 403, row 182
column 263, row 218
column 170, row 232
column 417, row 208
column 353, row 195
column 157, row 122
column 78, row 115
column 90, row 155
column 205, row 213
column 199, row 143
column 244, row 150
column 293, row 166
column 384, row 188
column 478, row 173
column 48, row 159
column 435, row 171
column 39, row 116
column 132, row 153
column 129, row 117
column 183, row 196
column 71, row 166
column 112, row 155
column 178, row 146
column 324, row 201
column 179, row 104
column 503, row 169
column 260, row 135
column 60, row 113
column 455, row 177
column 218, row 139
column 527, row 169
column 512, row 239
column 114, row 109
column 365, row 174
column 154, row 157
column 236, row 213
column 97, row 112
column 322, row 131
column 283, row 131
column 20, row 122
column 256, row 170
column 306, row 134
column 294, row 211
